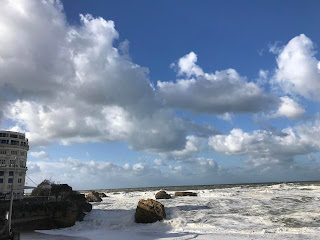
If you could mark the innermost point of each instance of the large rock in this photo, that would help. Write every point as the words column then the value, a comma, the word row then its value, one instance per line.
column 180, row 194
column 102, row 195
column 162, row 195
column 93, row 197
column 149, row 211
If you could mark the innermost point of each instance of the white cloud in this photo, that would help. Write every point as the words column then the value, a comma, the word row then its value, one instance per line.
column 176, row 169
column 82, row 174
column 310, row 133
column 263, row 147
column 74, row 85
column 193, row 145
column 226, row 116
column 275, row 48
column 262, row 77
column 159, row 162
column 206, row 165
column 187, row 65
column 297, row 71
column 216, row 93
column 289, row 108
column 138, row 167
column 86, row 174
column 41, row 154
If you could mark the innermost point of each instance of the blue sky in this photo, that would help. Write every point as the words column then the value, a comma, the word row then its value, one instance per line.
column 152, row 93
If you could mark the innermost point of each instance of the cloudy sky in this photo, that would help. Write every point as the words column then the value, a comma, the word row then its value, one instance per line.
column 152, row 93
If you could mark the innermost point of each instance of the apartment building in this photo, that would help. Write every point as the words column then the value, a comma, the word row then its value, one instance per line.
column 13, row 159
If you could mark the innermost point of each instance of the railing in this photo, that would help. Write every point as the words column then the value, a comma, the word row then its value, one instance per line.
column 14, row 144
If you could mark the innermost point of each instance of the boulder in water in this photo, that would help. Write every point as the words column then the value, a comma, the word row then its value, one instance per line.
column 162, row 195
column 93, row 197
column 102, row 195
column 149, row 211
column 180, row 194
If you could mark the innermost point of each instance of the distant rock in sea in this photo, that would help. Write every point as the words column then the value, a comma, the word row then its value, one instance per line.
column 149, row 211
column 102, row 195
column 180, row 194
column 93, row 197
column 162, row 195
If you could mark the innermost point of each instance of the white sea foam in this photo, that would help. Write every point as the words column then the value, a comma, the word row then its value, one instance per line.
column 281, row 211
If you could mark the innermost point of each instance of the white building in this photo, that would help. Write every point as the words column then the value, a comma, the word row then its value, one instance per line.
column 13, row 159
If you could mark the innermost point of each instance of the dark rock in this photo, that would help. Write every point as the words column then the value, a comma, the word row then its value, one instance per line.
column 93, row 197
column 37, row 213
column 102, row 195
column 149, row 211
column 180, row 194
column 162, row 195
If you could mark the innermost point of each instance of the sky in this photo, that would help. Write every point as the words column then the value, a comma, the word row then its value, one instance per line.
column 117, row 94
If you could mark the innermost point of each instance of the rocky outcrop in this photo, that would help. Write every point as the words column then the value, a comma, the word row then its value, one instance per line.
column 162, row 195
column 180, row 194
column 102, row 195
column 37, row 213
column 93, row 197
column 149, row 211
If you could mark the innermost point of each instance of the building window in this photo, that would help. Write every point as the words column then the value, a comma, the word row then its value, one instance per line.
column 1, row 173
column 13, row 135
column 4, row 135
column 3, row 152
column 5, row 141
column 19, row 180
column 22, row 165
column 1, row 180
column 12, row 162
column 10, row 180
column 10, row 173
column 14, row 142
column 14, row 152
column 2, row 163
column 22, row 153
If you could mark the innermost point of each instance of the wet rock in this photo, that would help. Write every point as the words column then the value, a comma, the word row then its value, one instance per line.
column 180, row 194
column 149, row 211
column 93, row 197
column 102, row 195
column 162, row 195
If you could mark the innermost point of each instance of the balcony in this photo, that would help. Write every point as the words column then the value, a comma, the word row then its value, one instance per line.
column 7, row 145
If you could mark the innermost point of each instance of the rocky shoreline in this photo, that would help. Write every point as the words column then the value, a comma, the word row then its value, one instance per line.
column 43, row 213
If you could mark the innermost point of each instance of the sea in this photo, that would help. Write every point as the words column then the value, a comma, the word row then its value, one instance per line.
column 227, row 212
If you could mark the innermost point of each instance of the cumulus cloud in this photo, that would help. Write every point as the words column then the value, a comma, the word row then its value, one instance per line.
column 41, row 154
column 262, row 77
column 298, row 69
column 70, row 83
column 187, row 65
column 159, row 162
column 226, row 116
column 310, row 133
column 206, row 165
column 267, row 148
column 215, row 93
column 88, row 174
column 289, row 108
column 193, row 145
